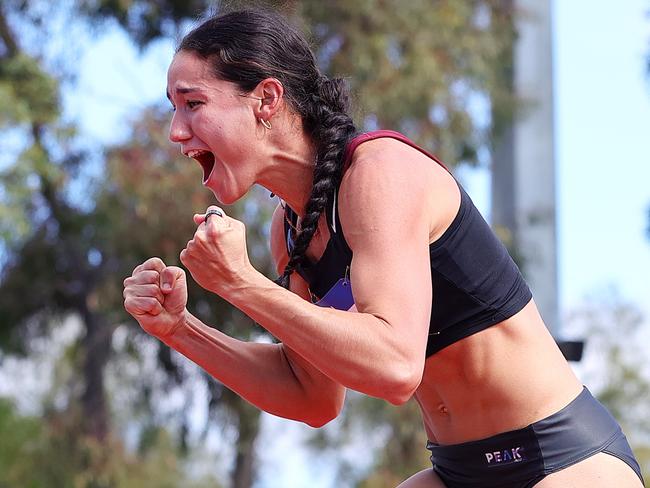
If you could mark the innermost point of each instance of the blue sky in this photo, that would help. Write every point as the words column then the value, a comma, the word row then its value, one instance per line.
column 603, row 147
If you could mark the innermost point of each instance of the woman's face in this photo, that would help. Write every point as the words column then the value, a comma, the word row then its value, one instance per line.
column 214, row 125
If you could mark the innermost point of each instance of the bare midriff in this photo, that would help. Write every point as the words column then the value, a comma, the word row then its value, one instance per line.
column 500, row 379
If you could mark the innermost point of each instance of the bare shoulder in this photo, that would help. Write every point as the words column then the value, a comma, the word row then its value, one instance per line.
column 390, row 180
column 386, row 209
column 387, row 150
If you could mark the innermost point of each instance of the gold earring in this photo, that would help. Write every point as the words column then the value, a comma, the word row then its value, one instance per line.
column 265, row 123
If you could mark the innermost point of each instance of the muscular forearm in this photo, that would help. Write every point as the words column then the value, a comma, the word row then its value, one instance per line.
column 358, row 350
column 260, row 373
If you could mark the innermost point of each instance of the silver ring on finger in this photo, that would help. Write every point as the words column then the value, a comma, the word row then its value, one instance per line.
column 212, row 211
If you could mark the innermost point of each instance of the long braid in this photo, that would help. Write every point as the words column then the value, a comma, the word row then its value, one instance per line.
column 331, row 129
column 247, row 46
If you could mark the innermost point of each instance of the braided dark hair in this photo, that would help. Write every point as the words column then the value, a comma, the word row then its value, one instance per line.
column 247, row 46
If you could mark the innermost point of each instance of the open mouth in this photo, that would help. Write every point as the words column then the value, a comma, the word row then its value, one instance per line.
column 205, row 159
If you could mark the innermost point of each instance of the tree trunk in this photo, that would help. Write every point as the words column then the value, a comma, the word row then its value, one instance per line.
column 249, row 427
column 96, row 348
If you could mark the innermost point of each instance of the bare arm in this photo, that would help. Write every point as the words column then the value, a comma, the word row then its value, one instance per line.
column 264, row 374
column 380, row 350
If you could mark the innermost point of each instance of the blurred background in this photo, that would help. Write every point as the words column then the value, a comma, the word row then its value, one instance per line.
column 542, row 109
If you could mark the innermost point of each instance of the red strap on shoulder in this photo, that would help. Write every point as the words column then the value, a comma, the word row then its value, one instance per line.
column 377, row 134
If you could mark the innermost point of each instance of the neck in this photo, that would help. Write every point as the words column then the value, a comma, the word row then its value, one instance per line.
column 291, row 172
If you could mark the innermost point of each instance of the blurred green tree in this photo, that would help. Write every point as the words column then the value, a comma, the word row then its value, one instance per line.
column 616, row 364
column 152, row 188
column 437, row 71
column 65, row 258
column 49, row 242
column 35, row 454
column 434, row 70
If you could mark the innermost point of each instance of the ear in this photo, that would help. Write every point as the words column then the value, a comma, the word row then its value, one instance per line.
column 269, row 92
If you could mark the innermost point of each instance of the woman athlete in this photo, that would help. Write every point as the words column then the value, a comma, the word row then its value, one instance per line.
column 397, row 288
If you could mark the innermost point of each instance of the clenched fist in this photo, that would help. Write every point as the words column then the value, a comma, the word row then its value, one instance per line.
column 156, row 296
column 216, row 256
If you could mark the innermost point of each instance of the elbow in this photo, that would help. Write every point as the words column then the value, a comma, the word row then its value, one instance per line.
column 399, row 396
column 403, row 383
column 319, row 422
column 323, row 416
column 325, row 409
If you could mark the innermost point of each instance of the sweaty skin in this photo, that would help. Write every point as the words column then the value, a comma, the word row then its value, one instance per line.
column 466, row 388
column 393, row 202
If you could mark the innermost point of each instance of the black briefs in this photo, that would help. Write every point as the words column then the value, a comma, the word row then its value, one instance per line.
column 521, row 458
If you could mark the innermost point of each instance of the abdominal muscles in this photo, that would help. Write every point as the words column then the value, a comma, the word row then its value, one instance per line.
column 502, row 378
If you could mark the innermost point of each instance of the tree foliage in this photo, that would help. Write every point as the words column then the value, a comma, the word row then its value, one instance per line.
column 143, row 19
column 616, row 365
column 437, row 71
column 431, row 69
column 37, row 452
column 153, row 189
column 71, row 259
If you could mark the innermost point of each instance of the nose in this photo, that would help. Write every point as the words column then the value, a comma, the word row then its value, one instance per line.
column 178, row 129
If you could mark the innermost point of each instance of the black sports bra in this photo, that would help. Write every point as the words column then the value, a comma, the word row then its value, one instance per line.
column 475, row 281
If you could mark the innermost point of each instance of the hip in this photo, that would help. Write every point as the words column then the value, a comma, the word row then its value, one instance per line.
column 522, row 457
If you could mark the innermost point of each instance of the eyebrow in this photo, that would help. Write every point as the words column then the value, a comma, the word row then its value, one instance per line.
column 184, row 90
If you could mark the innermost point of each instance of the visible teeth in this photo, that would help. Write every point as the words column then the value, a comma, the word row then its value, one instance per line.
column 195, row 153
